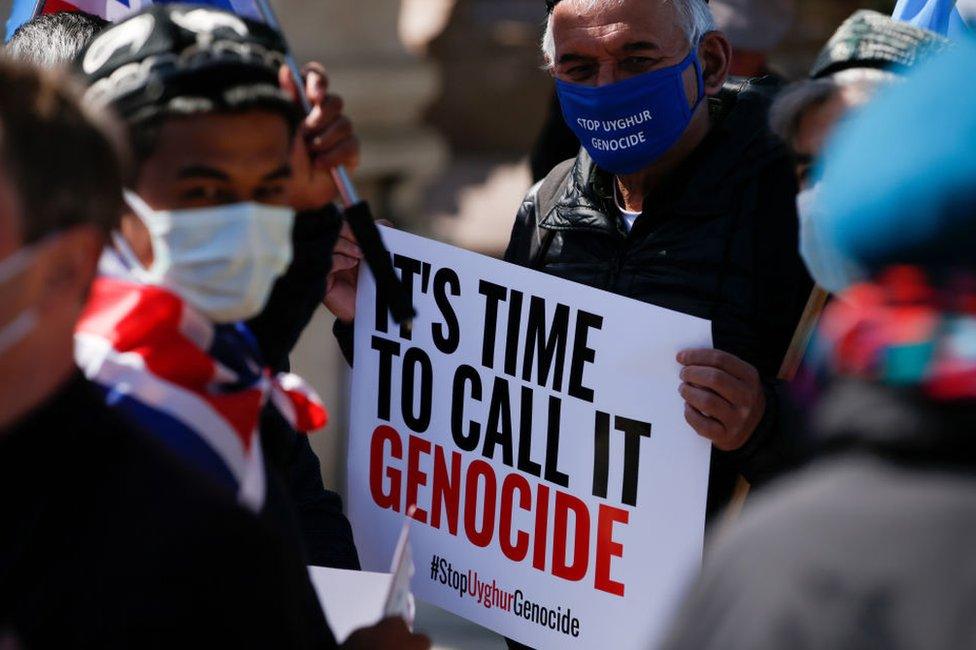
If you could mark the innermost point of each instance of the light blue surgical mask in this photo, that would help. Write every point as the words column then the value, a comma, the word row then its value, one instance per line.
column 827, row 266
column 223, row 259
column 628, row 125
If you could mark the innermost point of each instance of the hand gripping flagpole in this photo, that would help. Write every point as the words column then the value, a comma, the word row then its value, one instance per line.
column 356, row 211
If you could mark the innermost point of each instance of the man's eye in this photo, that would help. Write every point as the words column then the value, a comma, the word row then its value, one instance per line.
column 580, row 72
column 638, row 62
column 269, row 194
column 205, row 195
column 198, row 193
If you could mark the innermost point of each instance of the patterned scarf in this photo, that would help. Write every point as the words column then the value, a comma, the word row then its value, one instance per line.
column 197, row 387
column 904, row 330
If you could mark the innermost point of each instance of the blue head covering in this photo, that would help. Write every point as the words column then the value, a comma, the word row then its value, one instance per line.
column 899, row 179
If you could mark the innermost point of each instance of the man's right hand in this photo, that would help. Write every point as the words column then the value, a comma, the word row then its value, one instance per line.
column 340, row 285
column 389, row 633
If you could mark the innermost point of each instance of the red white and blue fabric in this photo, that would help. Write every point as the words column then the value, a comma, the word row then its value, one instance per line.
column 197, row 387
column 113, row 10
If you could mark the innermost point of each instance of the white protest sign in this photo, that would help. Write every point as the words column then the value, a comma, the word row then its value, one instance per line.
column 536, row 425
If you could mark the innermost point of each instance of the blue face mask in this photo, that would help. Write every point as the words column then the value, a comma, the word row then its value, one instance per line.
column 628, row 125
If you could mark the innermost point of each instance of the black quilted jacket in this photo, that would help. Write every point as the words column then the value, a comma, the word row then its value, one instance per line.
column 719, row 241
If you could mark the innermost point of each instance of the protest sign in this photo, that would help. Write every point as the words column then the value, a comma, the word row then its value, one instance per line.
column 536, row 425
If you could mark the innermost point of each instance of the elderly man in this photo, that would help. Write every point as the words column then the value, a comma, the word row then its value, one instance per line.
column 680, row 197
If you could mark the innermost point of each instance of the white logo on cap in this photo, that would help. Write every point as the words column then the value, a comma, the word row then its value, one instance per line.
column 131, row 35
column 205, row 21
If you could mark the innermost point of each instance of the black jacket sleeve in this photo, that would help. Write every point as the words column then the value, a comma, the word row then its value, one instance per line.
column 782, row 291
column 345, row 336
column 296, row 295
column 519, row 246
column 298, row 292
column 326, row 535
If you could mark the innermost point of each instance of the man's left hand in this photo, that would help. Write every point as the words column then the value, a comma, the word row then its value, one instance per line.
column 724, row 399
column 323, row 141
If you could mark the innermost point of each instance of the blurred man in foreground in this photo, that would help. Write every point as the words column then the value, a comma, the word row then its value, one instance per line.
column 682, row 198
column 871, row 546
column 107, row 540
column 324, row 140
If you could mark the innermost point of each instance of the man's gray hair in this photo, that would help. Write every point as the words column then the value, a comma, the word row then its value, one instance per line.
column 695, row 16
column 53, row 40
column 796, row 99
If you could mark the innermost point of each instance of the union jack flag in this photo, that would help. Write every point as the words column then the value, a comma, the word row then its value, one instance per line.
column 197, row 387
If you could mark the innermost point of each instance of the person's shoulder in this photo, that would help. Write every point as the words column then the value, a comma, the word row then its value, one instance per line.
column 756, row 567
column 742, row 107
column 547, row 190
column 819, row 542
column 541, row 197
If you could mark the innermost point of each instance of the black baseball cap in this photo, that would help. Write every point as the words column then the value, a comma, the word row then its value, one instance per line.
column 179, row 59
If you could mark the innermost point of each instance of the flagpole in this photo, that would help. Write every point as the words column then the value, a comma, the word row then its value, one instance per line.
column 356, row 211
column 787, row 372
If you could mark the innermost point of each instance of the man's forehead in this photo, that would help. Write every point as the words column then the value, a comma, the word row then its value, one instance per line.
column 226, row 138
column 579, row 23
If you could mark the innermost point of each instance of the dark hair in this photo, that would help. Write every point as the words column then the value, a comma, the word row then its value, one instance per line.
column 52, row 40
column 173, row 61
column 63, row 160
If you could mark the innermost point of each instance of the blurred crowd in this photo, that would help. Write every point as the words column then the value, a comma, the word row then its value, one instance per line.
column 168, row 226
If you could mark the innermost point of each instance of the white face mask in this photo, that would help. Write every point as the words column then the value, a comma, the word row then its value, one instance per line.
column 223, row 260
column 828, row 267
column 17, row 329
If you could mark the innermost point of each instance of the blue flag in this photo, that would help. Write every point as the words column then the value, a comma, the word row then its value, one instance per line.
column 946, row 17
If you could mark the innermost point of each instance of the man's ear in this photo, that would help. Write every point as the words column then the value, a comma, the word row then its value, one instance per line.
column 69, row 266
column 715, row 55
column 137, row 235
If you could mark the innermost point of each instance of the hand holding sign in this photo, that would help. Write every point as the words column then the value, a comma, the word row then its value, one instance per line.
column 343, row 278
column 724, row 399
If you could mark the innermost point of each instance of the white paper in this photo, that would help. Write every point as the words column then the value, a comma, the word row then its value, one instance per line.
column 399, row 599
column 350, row 599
